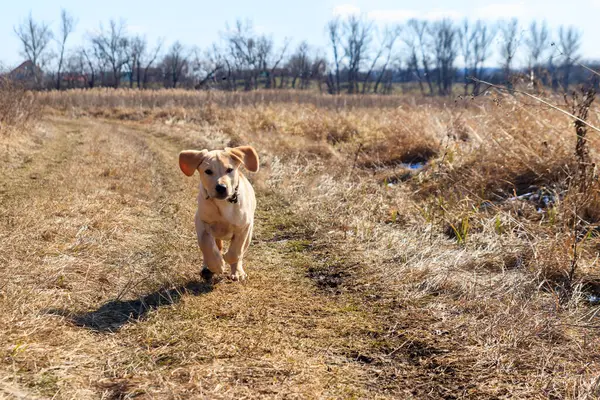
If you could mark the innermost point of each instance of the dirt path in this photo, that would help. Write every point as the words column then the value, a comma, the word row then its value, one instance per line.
column 100, row 296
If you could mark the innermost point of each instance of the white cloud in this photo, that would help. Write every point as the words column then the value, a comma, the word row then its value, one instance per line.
column 391, row 15
column 400, row 15
column 441, row 14
column 502, row 10
column 345, row 10
column 396, row 15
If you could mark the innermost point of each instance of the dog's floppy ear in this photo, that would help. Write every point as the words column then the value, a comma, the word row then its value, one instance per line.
column 246, row 155
column 190, row 160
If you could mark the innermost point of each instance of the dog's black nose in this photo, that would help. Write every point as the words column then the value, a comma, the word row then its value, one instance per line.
column 221, row 189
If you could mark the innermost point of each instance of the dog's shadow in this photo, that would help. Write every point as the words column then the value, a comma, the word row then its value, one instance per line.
column 115, row 314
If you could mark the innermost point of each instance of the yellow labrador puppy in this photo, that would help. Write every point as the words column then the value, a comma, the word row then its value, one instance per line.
column 226, row 205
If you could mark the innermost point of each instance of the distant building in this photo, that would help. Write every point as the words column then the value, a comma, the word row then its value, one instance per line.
column 74, row 80
column 26, row 73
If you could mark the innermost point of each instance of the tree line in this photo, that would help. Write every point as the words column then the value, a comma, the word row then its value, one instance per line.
column 361, row 57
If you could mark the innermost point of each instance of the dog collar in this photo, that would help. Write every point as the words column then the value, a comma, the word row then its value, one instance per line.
column 234, row 197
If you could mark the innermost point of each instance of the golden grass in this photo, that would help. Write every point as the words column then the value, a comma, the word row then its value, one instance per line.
column 18, row 108
column 367, row 279
column 174, row 98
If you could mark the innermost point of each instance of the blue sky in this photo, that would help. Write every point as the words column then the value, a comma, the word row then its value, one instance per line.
column 200, row 22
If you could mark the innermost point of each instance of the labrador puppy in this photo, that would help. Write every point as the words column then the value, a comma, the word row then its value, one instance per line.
column 226, row 205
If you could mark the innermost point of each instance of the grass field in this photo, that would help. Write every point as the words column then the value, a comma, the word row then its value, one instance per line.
column 370, row 276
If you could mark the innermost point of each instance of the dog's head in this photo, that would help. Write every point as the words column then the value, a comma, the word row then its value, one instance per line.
column 219, row 169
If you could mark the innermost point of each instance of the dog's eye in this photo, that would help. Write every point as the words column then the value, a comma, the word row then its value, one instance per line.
column 208, row 172
column 229, row 170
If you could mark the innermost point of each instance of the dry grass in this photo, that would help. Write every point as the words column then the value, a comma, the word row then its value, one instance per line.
column 175, row 98
column 19, row 112
column 18, row 108
column 368, row 279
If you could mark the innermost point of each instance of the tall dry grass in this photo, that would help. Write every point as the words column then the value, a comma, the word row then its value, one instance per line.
column 18, row 107
column 466, row 262
column 174, row 98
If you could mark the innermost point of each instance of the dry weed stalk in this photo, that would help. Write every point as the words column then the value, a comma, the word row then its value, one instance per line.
column 583, row 198
column 580, row 108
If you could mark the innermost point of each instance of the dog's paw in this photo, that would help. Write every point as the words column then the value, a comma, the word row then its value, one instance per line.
column 239, row 276
column 216, row 270
column 223, row 269
column 206, row 274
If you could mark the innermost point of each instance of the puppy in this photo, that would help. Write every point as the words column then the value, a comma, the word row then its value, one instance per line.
column 226, row 205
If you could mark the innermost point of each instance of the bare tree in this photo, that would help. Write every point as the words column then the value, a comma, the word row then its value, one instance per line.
column 67, row 25
column 246, row 53
column 74, row 63
column 146, row 60
column 263, row 51
column 391, row 35
column 206, row 66
column 90, row 62
column 175, row 63
column 443, row 36
column 334, row 34
column 140, row 59
column 570, row 43
column 483, row 37
column 235, row 60
column 76, row 66
column 411, row 40
column 357, row 35
column 384, row 50
column 35, row 37
column 112, row 46
column 466, row 37
column 137, row 47
column 509, row 44
column 254, row 55
column 273, row 60
column 388, row 79
column 374, row 58
column 300, row 65
column 318, row 70
column 537, row 42
column 421, row 30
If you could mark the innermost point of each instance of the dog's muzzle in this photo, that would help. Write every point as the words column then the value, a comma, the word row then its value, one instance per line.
column 221, row 191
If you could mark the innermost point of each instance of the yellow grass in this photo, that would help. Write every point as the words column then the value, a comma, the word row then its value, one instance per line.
column 367, row 279
column 17, row 108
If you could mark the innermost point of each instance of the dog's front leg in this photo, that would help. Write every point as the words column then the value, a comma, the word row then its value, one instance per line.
column 235, row 253
column 211, row 254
